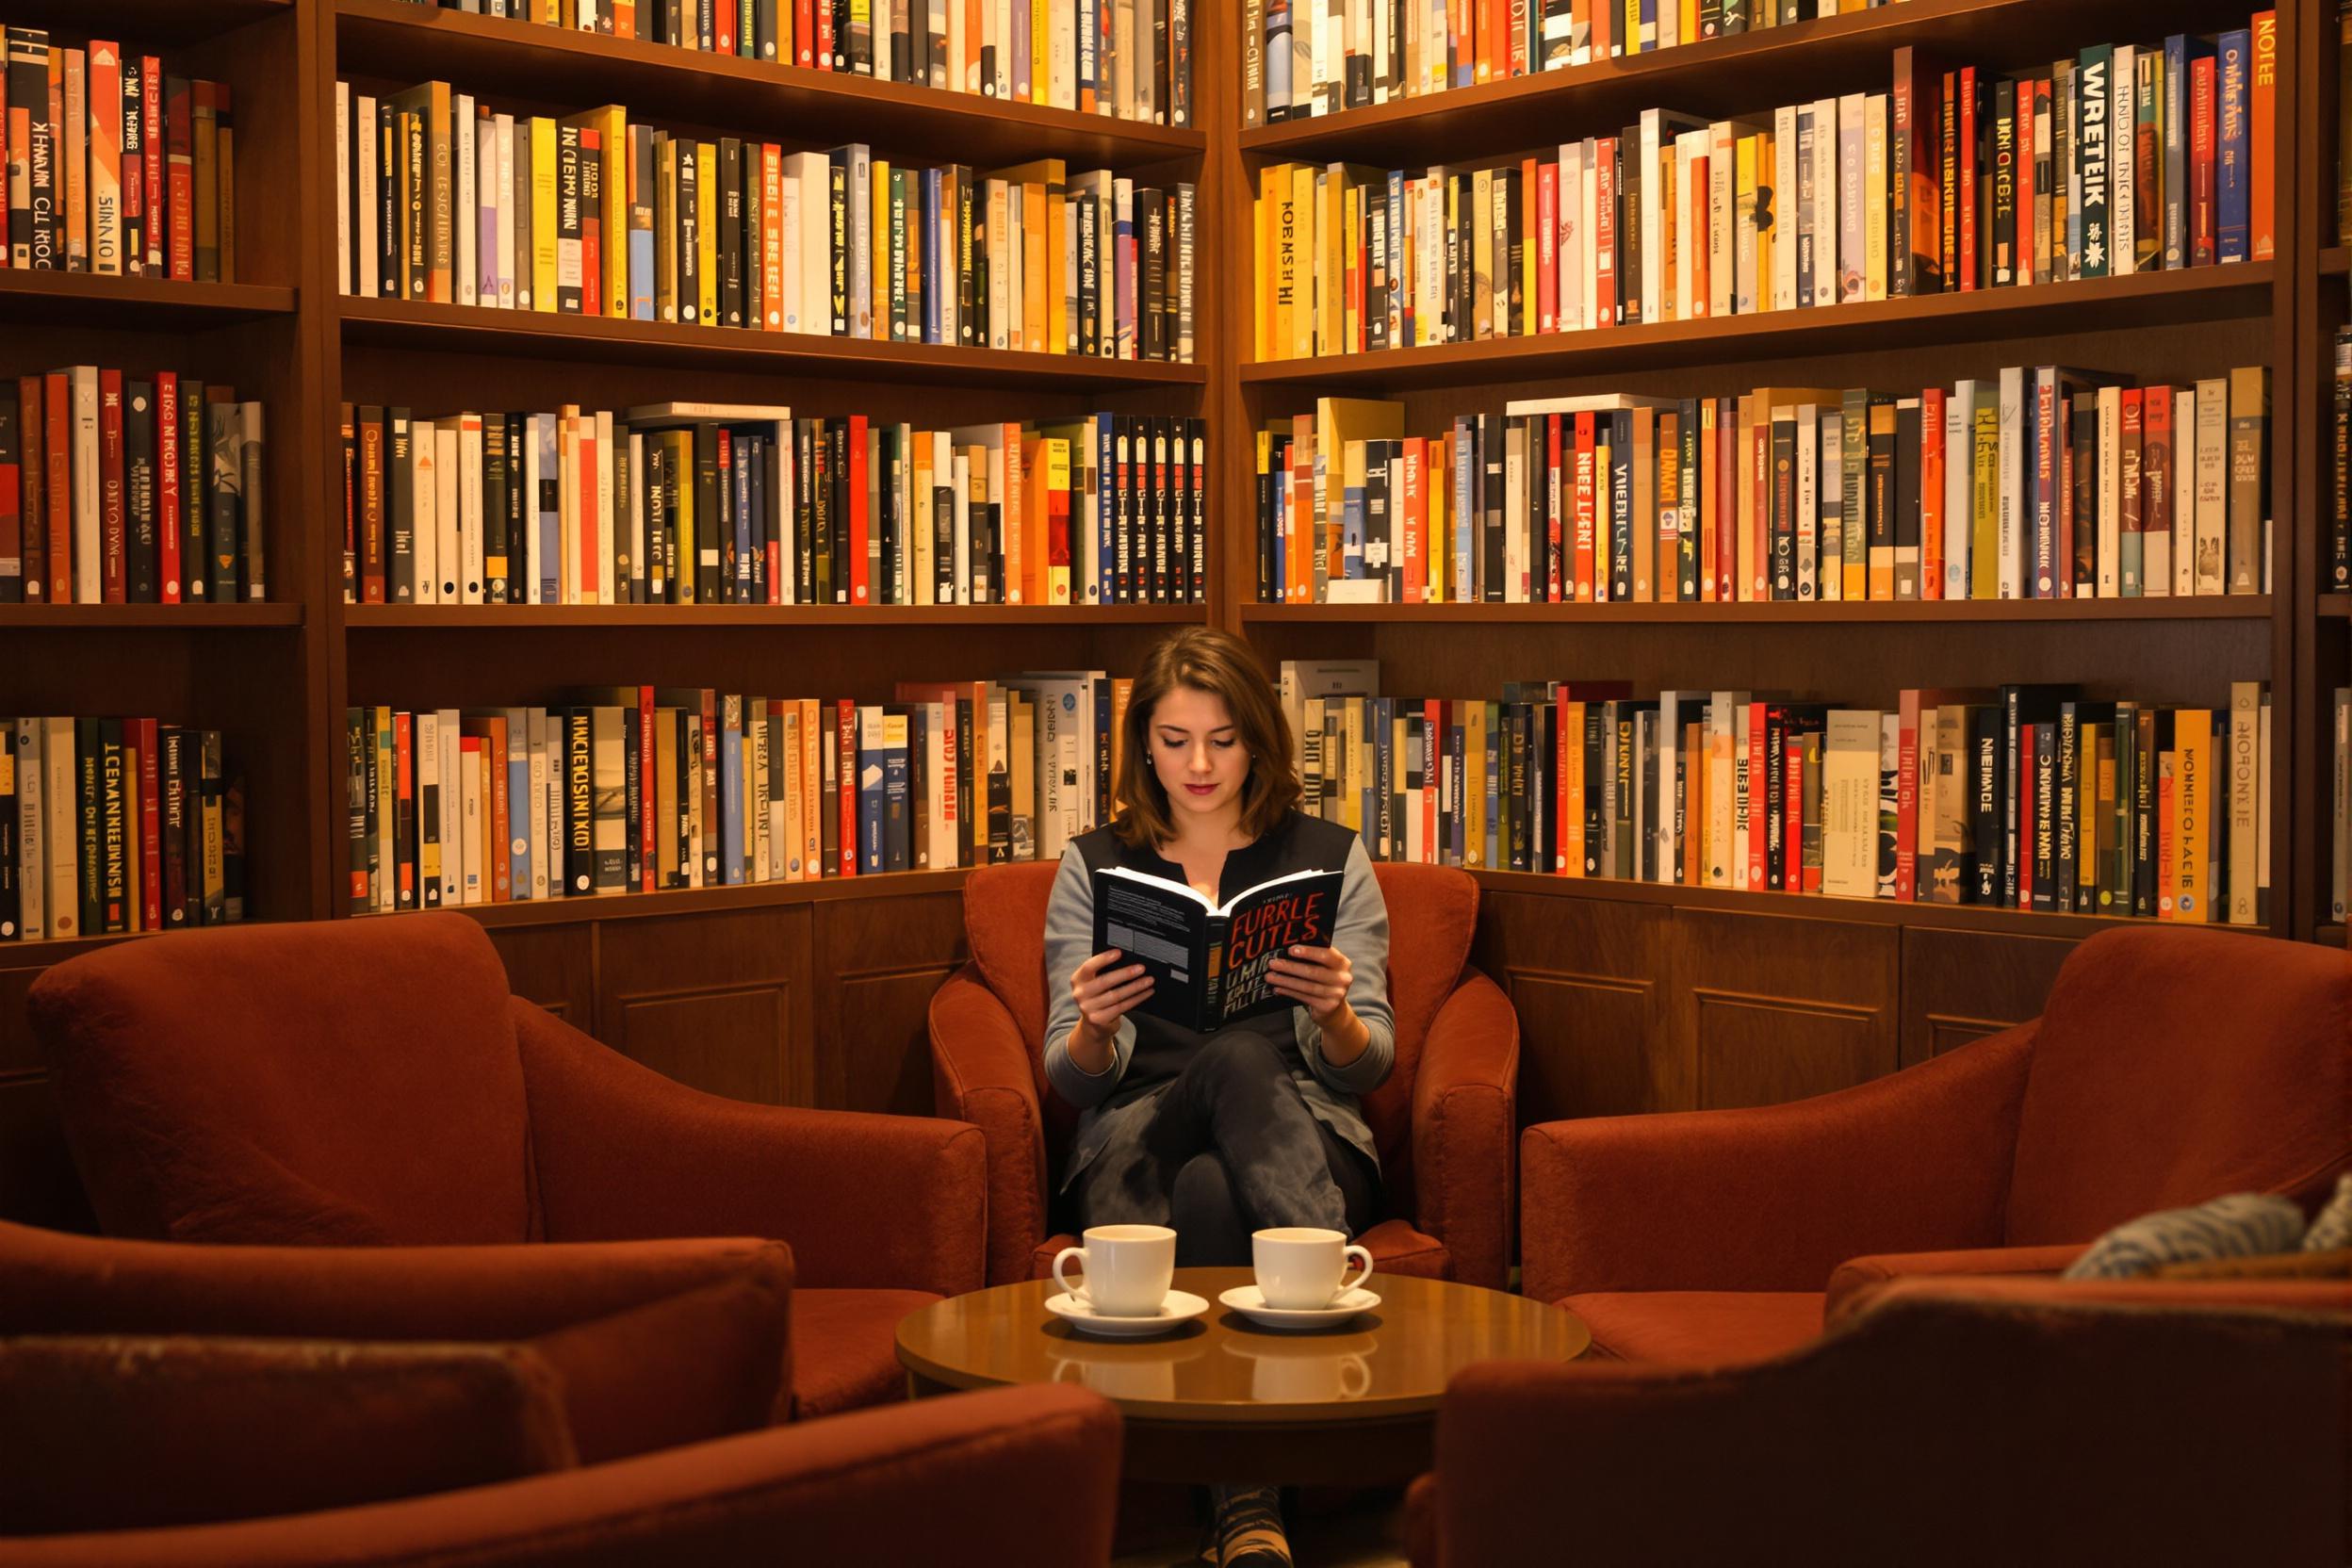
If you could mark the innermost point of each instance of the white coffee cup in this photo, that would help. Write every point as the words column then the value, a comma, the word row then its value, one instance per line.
column 1298, row 1266
column 1309, row 1380
column 1127, row 1268
column 1121, row 1380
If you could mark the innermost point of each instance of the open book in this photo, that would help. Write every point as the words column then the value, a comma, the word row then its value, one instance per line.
column 1209, row 962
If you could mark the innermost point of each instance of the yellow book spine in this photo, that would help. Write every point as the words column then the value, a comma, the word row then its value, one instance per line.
column 1056, row 468
column 1351, row 222
column 1302, row 252
column 1437, row 484
column 1058, row 251
column 707, row 228
column 2193, row 797
column 542, row 213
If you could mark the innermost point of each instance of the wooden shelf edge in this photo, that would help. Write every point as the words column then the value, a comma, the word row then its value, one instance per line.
column 407, row 323
column 1872, row 911
column 2248, row 607
column 2329, row 933
column 132, row 302
column 2335, row 607
column 2335, row 261
column 2200, row 292
column 752, row 896
column 668, row 77
column 45, row 951
column 147, row 617
column 703, row 617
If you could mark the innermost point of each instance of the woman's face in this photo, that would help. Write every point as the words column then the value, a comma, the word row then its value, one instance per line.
column 1197, row 755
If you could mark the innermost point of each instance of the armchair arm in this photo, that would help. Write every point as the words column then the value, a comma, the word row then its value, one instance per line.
column 1774, row 1197
column 1857, row 1278
column 1463, row 1100
column 60, row 1283
column 621, row 1152
column 1937, row 1426
column 981, row 1074
column 1020, row 1476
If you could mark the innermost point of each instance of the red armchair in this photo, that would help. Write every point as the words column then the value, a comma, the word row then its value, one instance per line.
column 603, row 1404
column 1945, row 1422
column 1442, row 1122
column 2168, row 1066
column 369, row 1082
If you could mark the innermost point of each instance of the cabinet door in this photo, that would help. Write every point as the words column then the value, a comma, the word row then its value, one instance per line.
column 880, row 959
column 1583, row 975
column 717, row 1001
column 1767, row 1008
column 1961, row 986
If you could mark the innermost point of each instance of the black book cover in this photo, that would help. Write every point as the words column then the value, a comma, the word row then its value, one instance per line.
column 2003, row 225
column 359, row 751
column 569, row 282
column 731, row 235
column 1598, row 729
column 1620, row 514
column 115, row 830
column 971, row 289
column 580, row 811
column 1906, row 499
column 838, row 193
column 1492, row 539
column 632, row 799
column 1783, row 505
column 495, row 564
column 404, row 868
column 176, row 775
column 688, row 247
column 713, row 528
column 1629, row 177
column 1196, row 481
column 195, row 512
column 399, row 508
column 1775, row 823
column 1089, row 276
column 2044, row 849
column 1210, row 965
column 1152, row 323
column 144, row 555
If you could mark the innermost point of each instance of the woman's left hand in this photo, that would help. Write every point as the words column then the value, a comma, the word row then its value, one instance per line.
column 1317, row 979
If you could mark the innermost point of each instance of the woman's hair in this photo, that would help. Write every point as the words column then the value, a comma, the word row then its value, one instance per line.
column 1220, row 665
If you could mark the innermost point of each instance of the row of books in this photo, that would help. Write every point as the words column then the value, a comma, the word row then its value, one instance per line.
column 2124, row 159
column 447, row 201
column 2027, row 797
column 1308, row 57
column 1130, row 60
column 637, row 788
column 713, row 503
column 121, row 488
column 113, row 824
column 2041, row 482
column 114, row 167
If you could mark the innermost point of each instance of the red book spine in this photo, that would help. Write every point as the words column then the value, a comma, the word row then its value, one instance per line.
column 168, row 528
column 180, row 141
column 1723, row 499
column 804, row 37
column 1931, row 493
column 1792, row 877
column 824, row 62
column 57, row 401
column 847, row 744
column 1964, row 252
column 1757, row 800
column 2028, row 92
column 2025, row 816
column 1907, row 798
column 33, row 458
column 151, row 162
column 2203, row 241
column 1433, row 748
column 859, row 587
column 1554, row 540
column 1584, row 480
column 647, row 858
column 113, row 526
column 1604, row 234
column 150, row 826
column 404, row 804
column 1546, row 247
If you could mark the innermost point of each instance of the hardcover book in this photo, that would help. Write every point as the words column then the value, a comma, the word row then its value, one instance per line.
column 1209, row 963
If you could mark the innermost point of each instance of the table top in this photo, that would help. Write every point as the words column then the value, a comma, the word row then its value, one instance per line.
column 1221, row 1369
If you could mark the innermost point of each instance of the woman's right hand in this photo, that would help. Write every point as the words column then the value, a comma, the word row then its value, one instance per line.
column 1105, row 990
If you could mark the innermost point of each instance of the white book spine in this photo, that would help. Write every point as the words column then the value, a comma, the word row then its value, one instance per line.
column 88, row 588
column 60, row 830
column 2183, row 491
column 2110, row 493
column 1783, row 292
column 1825, row 201
column 469, row 513
column 424, row 539
column 343, row 187
column 447, row 513
column 464, row 167
column 963, row 527
column 2213, row 471
column 608, row 563
column 369, row 236
column 1956, row 470
column 2011, row 485
column 2122, row 112
column 1809, row 505
column 504, row 258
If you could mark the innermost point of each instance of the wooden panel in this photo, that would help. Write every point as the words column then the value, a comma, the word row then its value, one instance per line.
column 1583, row 975
column 38, row 1182
column 1960, row 986
column 554, row 966
column 880, row 960
column 1772, row 1009
column 719, row 1001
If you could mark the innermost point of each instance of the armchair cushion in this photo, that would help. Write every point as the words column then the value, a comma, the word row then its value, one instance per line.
column 1455, row 1175
column 1698, row 1328
column 1857, row 1276
column 846, row 1347
column 1427, row 948
column 984, row 1072
column 706, row 1363
column 120, row 1432
column 277, row 1110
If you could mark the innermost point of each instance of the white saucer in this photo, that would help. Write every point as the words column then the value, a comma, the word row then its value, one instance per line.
column 1248, row 1301
column 1181, row 1306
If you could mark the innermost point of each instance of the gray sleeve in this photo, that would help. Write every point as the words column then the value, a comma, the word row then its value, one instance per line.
column 1362, row 934
column 1069, row 943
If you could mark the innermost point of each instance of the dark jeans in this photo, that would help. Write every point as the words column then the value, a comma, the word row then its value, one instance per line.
column 1233, row 1148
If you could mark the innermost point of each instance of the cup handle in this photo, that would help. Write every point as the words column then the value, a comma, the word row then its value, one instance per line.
column 1365, row 1257
column 1076, row 1292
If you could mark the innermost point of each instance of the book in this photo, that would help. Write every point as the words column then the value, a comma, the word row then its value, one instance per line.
column 1209, row 962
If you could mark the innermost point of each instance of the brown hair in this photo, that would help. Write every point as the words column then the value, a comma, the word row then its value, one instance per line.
column 1222, row 665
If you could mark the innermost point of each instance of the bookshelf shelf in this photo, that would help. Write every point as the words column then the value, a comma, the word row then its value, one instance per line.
column 2335, row 261
column 752, row 896
column 1718, row 77
column 467, row 329
column 2335, row 607
column 144, row 22
column 2198, row 294
column 699, row 617
column 148, row 618
column 388, row 39
column 1874, row 911
column 123, row 303
column 2331, row 935
column 2246, row 607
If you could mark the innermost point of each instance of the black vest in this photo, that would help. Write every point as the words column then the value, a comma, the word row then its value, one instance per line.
column 1298, row 842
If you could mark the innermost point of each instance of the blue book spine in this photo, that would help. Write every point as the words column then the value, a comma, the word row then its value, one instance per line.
column 1402, row 339
column 1352, row 532
column 1282, row 537
column 518, row 798
column 743, row 452
column 2231, row 182
column 1106, row 509
column 1020, row 54
column 871, row 763
column 731, row 794
column 549, row 503
column 2176, row 117
column 1648, row 37
column 1086, row 49
column 1457, row 517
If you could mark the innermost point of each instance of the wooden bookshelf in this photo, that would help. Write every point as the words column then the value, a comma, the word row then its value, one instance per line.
column 1638, row 997
column 150, row 305
column 146, row 21
column 881, row 619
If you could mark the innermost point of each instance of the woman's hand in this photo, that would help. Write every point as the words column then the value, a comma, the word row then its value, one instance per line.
column 1317, row 979
column 1106, row 994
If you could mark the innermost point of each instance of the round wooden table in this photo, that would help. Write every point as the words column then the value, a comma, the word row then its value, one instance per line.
column 1220, row 1398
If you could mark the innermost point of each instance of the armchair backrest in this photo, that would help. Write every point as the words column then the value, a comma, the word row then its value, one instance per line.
column 2172, row 1066
column 1432, row 912
column 336, row 1081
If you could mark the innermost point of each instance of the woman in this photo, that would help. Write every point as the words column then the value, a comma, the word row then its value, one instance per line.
column 1256, row 1125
